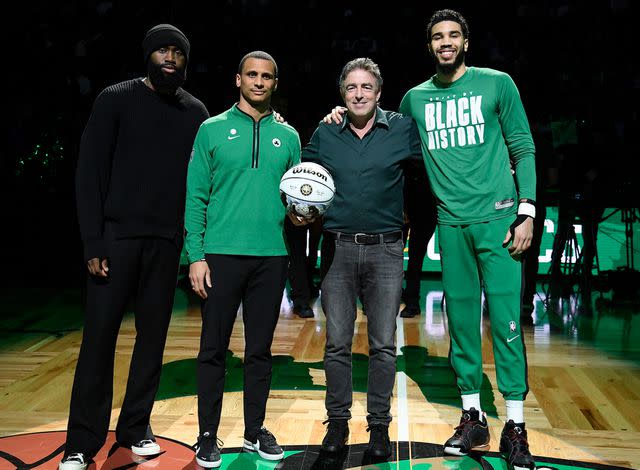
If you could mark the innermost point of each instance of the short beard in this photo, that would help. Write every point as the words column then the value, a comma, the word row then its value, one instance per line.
column 165, row 83
column 449, row 69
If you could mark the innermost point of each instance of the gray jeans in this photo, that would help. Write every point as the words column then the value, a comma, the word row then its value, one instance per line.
column 375, row 273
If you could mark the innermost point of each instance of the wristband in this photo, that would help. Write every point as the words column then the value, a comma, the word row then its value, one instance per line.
column 527, row 207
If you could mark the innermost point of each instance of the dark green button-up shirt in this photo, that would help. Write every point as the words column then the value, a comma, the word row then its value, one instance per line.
column 368, row 172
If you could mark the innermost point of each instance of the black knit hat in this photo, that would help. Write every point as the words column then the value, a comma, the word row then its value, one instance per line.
column 164, row 35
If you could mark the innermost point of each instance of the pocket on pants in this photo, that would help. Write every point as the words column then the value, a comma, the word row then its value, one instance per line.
column 395, row 249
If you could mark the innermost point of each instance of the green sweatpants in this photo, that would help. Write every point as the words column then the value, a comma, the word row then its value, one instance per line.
column 473, row 254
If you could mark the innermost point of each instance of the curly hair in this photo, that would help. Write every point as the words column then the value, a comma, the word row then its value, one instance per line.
column 447, row 15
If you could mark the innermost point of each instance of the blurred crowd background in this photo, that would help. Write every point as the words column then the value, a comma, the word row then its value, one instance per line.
column 571, row 60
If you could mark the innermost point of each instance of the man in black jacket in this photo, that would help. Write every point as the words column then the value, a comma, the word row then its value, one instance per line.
column 130, row 186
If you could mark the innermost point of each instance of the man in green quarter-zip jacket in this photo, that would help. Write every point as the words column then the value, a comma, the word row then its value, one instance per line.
column 234, row 221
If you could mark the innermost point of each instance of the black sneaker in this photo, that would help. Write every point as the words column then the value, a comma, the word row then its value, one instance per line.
column 410, row 311
column 379, row 444
column 515, row 448
column 74, row 461
column 472, row 432
column 303, row 311
column 265, row 444
column 208, row 451
column 336, row 436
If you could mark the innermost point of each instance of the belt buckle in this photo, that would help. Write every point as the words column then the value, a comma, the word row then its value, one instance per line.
column 355, row 238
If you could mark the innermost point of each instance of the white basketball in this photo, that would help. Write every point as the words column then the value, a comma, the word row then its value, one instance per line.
column 307, row 189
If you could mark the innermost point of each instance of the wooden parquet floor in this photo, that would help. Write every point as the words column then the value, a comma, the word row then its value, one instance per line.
column 584, row 376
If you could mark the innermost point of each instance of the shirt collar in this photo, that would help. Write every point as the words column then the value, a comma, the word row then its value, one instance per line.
column 380, row 120
column 236, row 110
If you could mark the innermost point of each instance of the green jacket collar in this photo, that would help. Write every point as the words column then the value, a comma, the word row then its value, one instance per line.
column 238, row 112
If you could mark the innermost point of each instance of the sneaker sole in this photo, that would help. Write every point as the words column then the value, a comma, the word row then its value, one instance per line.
column 511, row 466
column 206, row 464
column 249, row 446
column 144, row 451
column 458, row 451
column 516, row 467
column 68, row 466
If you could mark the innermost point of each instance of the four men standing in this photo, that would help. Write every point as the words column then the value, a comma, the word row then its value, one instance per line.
column 470, row 125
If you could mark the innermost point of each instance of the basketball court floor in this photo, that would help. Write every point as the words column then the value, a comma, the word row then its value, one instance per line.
column 583, row 409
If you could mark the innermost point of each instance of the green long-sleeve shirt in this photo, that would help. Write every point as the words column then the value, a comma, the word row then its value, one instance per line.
column 233, row 201
column 470, row 130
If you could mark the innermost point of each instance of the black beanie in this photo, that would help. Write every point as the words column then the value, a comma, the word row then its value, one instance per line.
column 164, row 35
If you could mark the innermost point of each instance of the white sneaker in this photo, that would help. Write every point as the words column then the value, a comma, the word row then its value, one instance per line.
column 75, row 461
column 146, row 447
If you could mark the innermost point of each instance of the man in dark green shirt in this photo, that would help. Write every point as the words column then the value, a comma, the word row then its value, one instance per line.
column 362, row 248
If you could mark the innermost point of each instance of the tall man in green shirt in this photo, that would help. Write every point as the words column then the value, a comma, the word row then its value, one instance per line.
column 235, row 243
column 472, row 125
column 362, row 248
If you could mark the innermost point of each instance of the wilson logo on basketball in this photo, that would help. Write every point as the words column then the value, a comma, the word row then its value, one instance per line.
column 306, row 189
column 310, row 172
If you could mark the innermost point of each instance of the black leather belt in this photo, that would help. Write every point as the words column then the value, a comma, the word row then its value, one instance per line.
column 365, row 238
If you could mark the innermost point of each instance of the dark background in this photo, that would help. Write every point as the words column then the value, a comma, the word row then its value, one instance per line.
column 572, row 60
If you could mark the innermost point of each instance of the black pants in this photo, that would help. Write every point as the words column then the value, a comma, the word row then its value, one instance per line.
column 530, row 261
column 301, row 265
column 421, row 233
column 257, row 282
column 144, row 270
column 422, row 224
